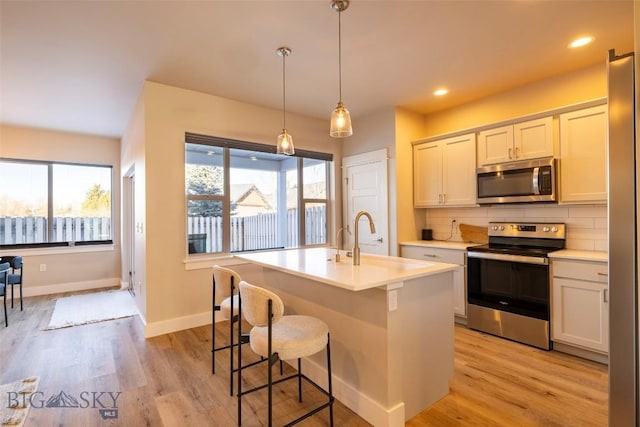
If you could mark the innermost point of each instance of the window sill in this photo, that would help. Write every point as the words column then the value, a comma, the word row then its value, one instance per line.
column 58, row 250
column 207, row 261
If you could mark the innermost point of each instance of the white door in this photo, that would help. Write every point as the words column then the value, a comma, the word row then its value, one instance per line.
column 365, row 188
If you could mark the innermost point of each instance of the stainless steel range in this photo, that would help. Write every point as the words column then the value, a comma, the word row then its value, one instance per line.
column 508, row 281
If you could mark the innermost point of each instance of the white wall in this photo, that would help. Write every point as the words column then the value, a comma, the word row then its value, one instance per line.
column 178, row 297
column 566, row 89
column 67, row 268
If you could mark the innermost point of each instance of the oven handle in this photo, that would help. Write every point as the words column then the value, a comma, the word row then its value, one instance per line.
column 507, row 257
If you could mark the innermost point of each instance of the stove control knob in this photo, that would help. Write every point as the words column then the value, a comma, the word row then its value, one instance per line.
column 495, row 228
column 502, row 228
column 554, row 229
column 545, row 229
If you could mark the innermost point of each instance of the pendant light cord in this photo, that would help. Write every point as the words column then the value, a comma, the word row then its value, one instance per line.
column 284, row 105
column 339, row 56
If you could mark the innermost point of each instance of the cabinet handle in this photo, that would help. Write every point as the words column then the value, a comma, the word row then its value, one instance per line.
column 603, row 274
column 510, row 150
column 444, row 198
column 605, row 295
column 431, row 255
column 516, row 150
column 439, row 198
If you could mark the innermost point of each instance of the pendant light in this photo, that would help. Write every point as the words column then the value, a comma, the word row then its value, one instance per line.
column 340, row 118
column 285, row 140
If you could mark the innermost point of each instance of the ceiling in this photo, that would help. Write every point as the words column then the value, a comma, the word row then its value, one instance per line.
column 79, row 65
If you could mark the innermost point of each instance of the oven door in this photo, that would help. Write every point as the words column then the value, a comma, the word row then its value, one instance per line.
column 512, row 283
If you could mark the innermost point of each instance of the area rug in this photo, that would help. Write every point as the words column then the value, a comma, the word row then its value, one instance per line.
column 15, row 401
column 91, row 308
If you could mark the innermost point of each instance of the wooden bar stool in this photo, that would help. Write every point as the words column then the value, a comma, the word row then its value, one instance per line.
column 275, row 336
column 225, row 286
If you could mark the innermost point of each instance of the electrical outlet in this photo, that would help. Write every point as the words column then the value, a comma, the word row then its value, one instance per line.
column 393, row 300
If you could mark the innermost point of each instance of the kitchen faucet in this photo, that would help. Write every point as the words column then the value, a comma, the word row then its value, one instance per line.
column 356, row 247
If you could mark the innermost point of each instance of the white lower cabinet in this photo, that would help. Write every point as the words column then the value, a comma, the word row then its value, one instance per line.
column 580, row 304
column 451, row 256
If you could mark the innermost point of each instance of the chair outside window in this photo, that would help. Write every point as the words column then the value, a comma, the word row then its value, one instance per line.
column 4, row 273
column 275, row 336
column 225, row 287
column 15, row 276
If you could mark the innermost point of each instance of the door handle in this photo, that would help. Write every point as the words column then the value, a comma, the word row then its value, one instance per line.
column 379, row 240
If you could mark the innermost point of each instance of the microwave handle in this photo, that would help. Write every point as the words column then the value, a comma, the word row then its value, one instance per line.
column 536, row 181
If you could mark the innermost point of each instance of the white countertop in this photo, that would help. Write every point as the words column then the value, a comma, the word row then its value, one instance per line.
column 580, row 255
column 319, row 264
column 443, row 244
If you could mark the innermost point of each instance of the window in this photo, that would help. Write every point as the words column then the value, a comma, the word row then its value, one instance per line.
column 53, row 204
column 242, row 196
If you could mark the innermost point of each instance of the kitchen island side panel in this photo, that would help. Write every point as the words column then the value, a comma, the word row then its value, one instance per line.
column 421, row 341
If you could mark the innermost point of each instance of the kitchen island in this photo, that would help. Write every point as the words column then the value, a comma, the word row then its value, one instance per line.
column 391, row 323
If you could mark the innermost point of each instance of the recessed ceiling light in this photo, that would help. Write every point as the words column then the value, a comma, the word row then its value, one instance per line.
column 210, row 153
column 254, row 158
column 441, row 92
column 582, row 41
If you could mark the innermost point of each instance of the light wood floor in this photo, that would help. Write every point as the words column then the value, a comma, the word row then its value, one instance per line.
column 166, row 381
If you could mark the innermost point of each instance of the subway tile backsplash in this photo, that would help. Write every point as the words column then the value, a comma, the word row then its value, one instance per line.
column 587, row 225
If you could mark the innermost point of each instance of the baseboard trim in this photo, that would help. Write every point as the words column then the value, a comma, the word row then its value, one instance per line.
column 581, row 352
column 153, row 329
column 34, row 291
column 372, row 411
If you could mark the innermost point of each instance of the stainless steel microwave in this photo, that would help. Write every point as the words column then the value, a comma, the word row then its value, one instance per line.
column 518, row 182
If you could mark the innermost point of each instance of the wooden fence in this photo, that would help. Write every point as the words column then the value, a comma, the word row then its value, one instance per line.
column 205, row 233
column 257, row 231
column 19, row 230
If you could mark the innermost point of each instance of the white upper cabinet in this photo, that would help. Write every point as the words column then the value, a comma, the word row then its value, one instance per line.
column 444, row 172
column 521, row 141
column 583, row 155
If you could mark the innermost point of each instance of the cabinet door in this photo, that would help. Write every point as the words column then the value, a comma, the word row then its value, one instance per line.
column 495, row 145
column 583, row 155
column 580, row 313
column 458, row 170
column 427, row 174
column 533, row 139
